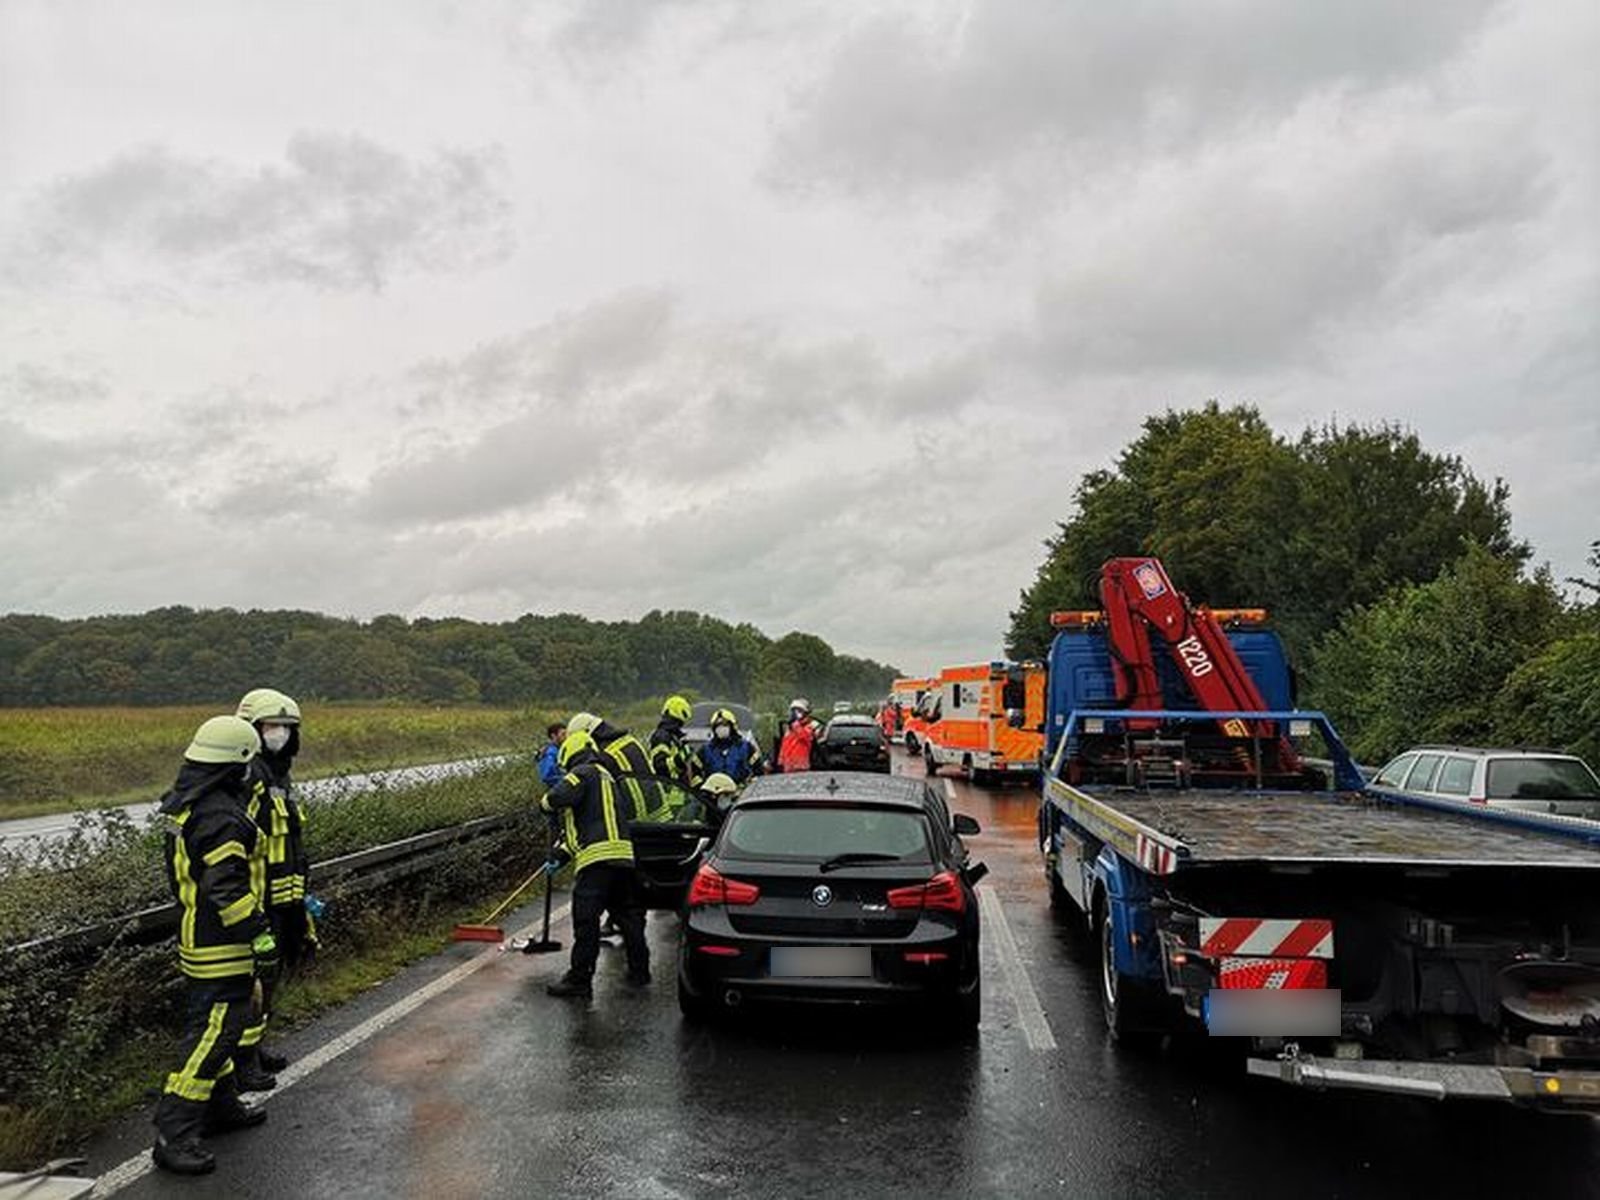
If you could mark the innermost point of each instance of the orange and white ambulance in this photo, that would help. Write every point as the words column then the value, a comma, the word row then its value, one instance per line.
column 904, row 697
column 987, row 719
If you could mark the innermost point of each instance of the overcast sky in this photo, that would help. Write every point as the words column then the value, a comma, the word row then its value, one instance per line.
column 809, row 315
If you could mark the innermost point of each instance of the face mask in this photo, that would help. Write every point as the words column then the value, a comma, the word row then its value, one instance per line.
column 275, row 737
column 723, row 731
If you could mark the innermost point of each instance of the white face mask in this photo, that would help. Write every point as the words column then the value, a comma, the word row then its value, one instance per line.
column 722, row 731
column 275, row 737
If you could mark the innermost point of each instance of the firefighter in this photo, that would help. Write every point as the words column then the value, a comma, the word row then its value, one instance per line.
column 629, row 764
column 669, row 753
column 797, row 748
column 217, row 872
column 729, row 751
column 275, row 810
column 717, row 794
column 595, row 832
column 549, row 771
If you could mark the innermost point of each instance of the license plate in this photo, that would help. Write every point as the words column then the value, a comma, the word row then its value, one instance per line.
column 822, row 962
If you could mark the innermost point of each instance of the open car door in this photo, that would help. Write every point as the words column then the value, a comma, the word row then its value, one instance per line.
column 667, row 853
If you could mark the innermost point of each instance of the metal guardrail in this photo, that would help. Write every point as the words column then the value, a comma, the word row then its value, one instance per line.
column 364, row 869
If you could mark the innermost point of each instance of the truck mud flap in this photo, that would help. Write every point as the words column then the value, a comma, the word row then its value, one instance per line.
column 1556, row 1089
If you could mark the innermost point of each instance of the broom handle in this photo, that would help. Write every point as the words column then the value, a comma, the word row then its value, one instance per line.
column 521, row 887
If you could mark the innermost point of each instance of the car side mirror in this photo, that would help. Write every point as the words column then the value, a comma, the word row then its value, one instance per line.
column 976, row 872
column 1014, row 717
column 964, row 825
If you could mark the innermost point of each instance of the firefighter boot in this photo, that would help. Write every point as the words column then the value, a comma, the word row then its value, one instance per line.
column 248, row 1073
column 178, row 1147
column 271, row 1063
column 572, row 986
column 225, row 1112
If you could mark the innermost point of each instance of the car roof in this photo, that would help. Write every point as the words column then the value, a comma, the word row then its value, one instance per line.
column 1485, row 752
column 852, row 719
column 702, row 712
column 870, row 787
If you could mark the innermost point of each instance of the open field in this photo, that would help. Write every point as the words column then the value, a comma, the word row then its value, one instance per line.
column 57, row 759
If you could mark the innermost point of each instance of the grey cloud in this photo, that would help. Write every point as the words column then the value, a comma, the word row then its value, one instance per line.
column 339, row 212
column 30, row 462
column 906, row 100
column 30, row 384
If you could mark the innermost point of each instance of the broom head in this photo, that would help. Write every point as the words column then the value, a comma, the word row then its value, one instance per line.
column 477, row 933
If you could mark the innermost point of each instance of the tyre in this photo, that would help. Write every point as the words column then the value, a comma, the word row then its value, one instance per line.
column 964, row 1011
column 911, row 743
column 696, row 1010
column 1132, row 1006
column 928, row 765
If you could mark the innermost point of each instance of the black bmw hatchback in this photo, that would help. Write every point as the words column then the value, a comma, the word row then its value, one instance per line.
column 835, row 888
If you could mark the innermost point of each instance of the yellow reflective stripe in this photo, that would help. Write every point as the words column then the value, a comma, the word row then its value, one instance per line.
column 188, row 892
column 253, row 1034
column 186, row 1082
column 569, row 823
column 239, row 909
column 217, row 970
column 619, row 849
column 214, row 953
column 608, row 805
column 227, row 850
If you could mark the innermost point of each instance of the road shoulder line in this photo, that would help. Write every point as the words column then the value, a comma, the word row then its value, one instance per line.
column 1030, row 1013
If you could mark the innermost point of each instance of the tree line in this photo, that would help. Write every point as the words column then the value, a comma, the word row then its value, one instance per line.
column 187, row 656
column 1390, row 570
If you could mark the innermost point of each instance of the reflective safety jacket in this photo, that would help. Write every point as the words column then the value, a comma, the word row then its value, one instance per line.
column 799, row 744
column 216, row 868
column 277, row 814
column 738, row 758
column 629, row 764
column 670, row 757
column 594, row 826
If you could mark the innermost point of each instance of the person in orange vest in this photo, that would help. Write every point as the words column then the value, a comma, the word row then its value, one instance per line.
column 798, row 746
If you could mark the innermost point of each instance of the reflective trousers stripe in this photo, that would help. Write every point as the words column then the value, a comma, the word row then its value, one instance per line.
column 188, row 1081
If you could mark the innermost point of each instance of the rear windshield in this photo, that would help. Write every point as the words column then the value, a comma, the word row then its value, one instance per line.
column 862, row 733
column 1541, row 779
column 800, row 834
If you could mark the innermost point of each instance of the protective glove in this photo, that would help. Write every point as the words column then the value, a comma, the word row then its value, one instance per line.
column 556, row 858
column 264, row 949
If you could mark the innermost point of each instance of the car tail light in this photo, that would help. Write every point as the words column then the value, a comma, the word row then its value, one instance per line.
column 711, row 887
column 926, row 958
column 943, row 892
column 719, row 951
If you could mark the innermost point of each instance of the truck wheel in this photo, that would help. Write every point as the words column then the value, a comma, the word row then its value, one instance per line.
column 1131, row 1005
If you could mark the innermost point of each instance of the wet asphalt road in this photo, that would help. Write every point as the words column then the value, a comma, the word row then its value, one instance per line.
column 494, row 1089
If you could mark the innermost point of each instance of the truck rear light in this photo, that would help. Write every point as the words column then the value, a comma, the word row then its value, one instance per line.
column 710, row 886
column 926, row 958
column 943, row 893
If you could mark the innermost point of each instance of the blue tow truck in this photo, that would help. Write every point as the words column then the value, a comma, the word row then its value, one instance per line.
column 1239, row 887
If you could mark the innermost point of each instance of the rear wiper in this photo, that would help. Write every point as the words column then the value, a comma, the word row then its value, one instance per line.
column 857, row 856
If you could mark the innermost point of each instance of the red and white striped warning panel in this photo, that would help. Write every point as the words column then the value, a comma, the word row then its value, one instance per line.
column 1153, row 856
column 1272, row 974
column 1267, row 937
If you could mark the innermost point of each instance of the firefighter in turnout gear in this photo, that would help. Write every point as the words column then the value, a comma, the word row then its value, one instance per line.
column 594, row 826
column 276, row 812
column 669, row 753
column 629, row 764
column 729, row 751
column 217, row 871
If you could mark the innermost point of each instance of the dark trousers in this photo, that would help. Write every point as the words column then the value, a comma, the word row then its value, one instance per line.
column 289, row 931
column 606, row 887
column 217, row 1011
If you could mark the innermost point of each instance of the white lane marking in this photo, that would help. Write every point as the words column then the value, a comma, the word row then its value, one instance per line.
column 140, row 1165
column 1030, row 1014
column 950, row 790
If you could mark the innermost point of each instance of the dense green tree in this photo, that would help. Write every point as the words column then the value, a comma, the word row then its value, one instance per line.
column 1428, row 662
column 1242, row 516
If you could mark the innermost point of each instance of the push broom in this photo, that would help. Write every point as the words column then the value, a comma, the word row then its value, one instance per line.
column 488, row 931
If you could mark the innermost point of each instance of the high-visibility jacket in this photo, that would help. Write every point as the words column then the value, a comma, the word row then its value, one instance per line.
column 276, row 812
column 799, row 743
column 670, row 757
column 594, row 825
column 629, row 764
column 217, row 870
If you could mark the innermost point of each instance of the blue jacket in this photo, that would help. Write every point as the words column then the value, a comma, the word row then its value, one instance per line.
column 738, row 758
column 549, row 773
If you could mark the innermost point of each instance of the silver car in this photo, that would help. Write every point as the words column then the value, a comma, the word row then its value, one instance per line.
column 1525, row 780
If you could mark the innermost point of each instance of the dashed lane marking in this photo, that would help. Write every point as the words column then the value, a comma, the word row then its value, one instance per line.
column 1030, row 1013
column 140, row 1165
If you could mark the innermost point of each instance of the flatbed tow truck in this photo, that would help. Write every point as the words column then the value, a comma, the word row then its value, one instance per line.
column 1235, row 887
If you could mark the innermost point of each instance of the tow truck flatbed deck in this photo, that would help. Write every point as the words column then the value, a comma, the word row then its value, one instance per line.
column 1168, row 829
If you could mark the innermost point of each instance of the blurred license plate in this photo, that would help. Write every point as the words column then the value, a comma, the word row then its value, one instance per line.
column 814, row 962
